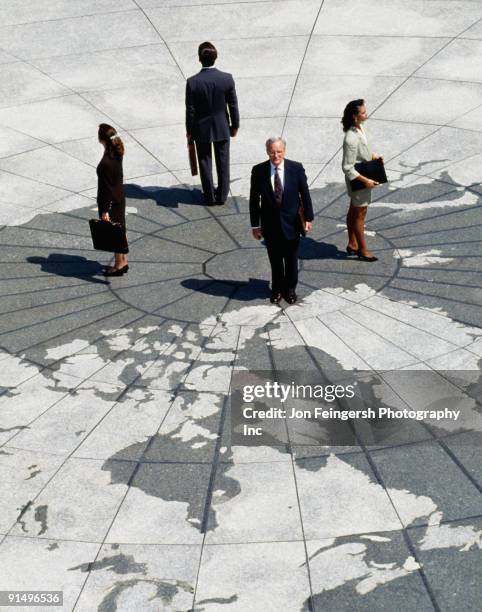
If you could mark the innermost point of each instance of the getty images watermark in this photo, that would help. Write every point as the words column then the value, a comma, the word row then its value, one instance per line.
column 348, row 408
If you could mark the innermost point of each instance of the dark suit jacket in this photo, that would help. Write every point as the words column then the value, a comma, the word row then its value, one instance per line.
column 209, row 95
column 279, row 222
column 110, row 189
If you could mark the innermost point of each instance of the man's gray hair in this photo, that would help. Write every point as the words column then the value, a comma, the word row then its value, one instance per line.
column 274, row 139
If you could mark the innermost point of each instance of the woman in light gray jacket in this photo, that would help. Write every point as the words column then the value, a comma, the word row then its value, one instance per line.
column 357, row 148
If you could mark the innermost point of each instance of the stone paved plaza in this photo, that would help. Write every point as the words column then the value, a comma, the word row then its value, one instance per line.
column 120, row 484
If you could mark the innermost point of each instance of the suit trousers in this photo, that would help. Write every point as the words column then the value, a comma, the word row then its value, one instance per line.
column 221, row 157
column 283, row 257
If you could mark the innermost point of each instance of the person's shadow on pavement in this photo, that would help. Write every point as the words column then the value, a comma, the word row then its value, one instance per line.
column 170, row 197
column 254, row 289
column 70, row 266
column 314, row 249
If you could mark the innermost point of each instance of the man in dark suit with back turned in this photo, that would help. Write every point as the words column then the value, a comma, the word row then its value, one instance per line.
column 278, row 188
column 212, row 117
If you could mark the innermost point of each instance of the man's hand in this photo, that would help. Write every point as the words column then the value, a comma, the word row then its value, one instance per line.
column 369, row 184
column 374, row 157
column 308, row 226
column 105, row 216
column 233, row 132
column 257, row 233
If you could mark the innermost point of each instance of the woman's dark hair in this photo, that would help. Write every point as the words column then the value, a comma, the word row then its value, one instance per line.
column 114, row 147
column 351, row 109
column 207, row 54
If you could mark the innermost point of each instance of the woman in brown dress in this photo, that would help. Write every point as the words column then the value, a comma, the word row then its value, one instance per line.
column 110, row 190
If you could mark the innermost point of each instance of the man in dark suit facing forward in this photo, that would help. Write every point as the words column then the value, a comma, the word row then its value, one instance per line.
column 278, row 189
column 212, row 117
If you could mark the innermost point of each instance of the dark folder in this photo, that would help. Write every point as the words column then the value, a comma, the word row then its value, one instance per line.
column 192, row 157
column 301, row 220
column 108, row 236
column 374, row 170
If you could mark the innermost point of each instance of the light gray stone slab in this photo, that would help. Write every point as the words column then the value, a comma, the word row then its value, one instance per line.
column 14, row 12
column 110, row 69
column 52, row 567
column 146, row 104
column 416, row 342
column 318, row 335
column 391, row 138
column 43, row 165
column 168, row 142
column 6, row 58
column 269, row 576
column 249, row 146
column 460, row 359
column 340, row 496
column 167, row 3
column 13, row 142
column 16, row 370
column 170, row 498
column 139, row 413
column 442, row 149
column 367, row 55
column 23, row 475
column 475, row 32
column 275, row 99
column 465, row 172
column 54, row 38
column 458, row 62
column 430, row 322
column 423, row 100
column 246, row 498
column 189, row 430
column 194, row 23
column 326, row 133
column 130, row 576
column 69, row 420
column 27, row 401
column 28, row 192
column 254, row 58
column 79, row 503
column 136, row 162
column 414, row 18
column 377, row 352
column 313, row 99
column 55, row 120
column 22, row 83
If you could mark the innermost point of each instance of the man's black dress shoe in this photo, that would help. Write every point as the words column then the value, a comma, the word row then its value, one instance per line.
column 275, row 297
column 220, row 203
column 291, row 297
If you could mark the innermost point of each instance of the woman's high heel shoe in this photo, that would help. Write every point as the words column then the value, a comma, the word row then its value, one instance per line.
column 114, row 272
column 365, row 258
column 351, row 251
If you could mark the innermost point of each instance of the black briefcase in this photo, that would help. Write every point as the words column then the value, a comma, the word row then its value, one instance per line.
column 108, row 236
column 192, row 157
column 374, row 170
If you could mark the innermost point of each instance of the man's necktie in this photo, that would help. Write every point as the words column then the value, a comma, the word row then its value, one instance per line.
column 278, row 188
